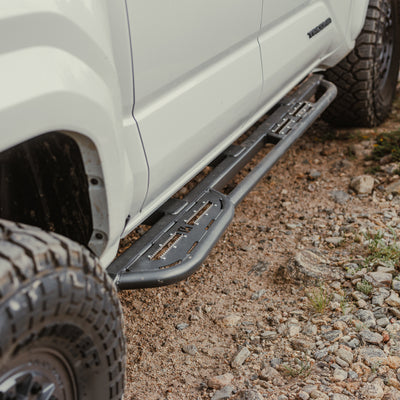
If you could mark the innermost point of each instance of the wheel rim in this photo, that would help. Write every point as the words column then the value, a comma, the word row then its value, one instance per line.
column 385, row 49
column 43, row 374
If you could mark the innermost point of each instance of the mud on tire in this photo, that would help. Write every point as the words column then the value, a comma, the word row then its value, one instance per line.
column 366, row 78
column 61, row 333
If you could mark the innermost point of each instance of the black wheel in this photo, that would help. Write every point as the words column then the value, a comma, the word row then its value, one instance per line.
column 61, row 334
column 367, row 77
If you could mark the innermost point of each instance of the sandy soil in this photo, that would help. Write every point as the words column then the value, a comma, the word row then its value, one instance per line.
column 237, row 294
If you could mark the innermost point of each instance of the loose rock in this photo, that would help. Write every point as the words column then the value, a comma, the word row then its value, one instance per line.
column 336, row 241
column 340, row 197
column 379, row 279
column 362, row 184
column 309, row 267
column 224, row 393
column 189, row 349
column 339, row 375
column 182, row 326
column 270, row 374
column 396, row 285
column 248, row 395
column 332, row 336
column 218, row 382
column 373, row 355
column 303, row 395
column 345, row 355
column 393, row 299
column 240, row 357
column 373, row 390
column 371, row 337
column 393, row 188
column 393, row 362
column 231, row 320
column 338, row 396
column 366, row 317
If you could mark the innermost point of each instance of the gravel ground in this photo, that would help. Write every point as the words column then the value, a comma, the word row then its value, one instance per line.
column 298, row 300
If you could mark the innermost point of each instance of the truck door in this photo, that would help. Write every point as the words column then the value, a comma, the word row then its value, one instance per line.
column 296, row 36
column 197, row 76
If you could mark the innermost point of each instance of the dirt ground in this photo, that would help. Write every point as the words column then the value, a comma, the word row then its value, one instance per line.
column 181, row 336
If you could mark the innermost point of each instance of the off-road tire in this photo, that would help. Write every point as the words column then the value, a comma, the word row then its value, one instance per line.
column 61, row 331
column 367, row 77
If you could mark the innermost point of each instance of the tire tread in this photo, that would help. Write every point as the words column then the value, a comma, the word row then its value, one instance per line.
column 356, row 103
column 32, row 264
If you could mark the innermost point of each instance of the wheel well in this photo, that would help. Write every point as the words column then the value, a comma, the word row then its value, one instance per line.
column 43, row 183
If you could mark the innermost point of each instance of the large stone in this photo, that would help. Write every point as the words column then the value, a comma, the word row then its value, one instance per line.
column 353, row 343
column 332, row 336
column 339, row 375
column 224, row 393
column 371, row 337
column 310, row 329
column 320, row 354
column 269, row 335
column 190, row 349
column 303, row 395
column 393, row 300
column 379, row 297
column 248, row 394
column 393, row 362
column 392, row 393
column 293, row 330
column 335, row 241
column 393, row 188
column 231, row 320
column 384, row 321
column 388, row 267
column 310, row 267
column 345, row 355
column 366, row 317
column 240, row 357
column 270, row 374
column 379, row 279
column 396, row 285
column 373, row 390
column 363, row 184
column 218, row 382
column 318, row 395
column 339, row 396
column 302, row 344
column 373, row 355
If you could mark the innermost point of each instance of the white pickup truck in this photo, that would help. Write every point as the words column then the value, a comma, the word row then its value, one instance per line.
column 108, row 108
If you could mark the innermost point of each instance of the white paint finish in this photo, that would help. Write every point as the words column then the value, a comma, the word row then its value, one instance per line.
column 187, row 125
column 200, row 80
column 69, row 81
column 357, row 17
column 186, row 175
column 286, row 48
column 172, row 39
column 280, row 75
column 349, row 17
column 66, row 66
column 275, row 12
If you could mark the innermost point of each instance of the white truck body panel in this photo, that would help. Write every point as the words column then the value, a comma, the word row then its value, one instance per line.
column 197, row 75
column 62, row 71
column 201, row 79
column 233, row 75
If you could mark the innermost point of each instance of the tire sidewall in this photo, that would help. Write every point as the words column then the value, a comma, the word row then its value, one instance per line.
column 70, row 333
column 384, row 95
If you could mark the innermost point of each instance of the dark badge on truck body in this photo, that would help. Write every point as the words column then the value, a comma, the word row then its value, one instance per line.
column 319, row 28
